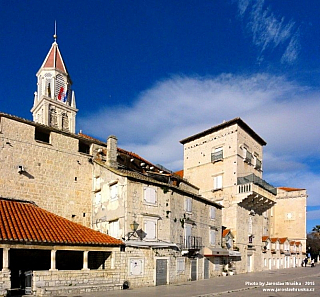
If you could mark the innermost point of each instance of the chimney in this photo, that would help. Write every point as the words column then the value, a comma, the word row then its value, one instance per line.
column 112, row 144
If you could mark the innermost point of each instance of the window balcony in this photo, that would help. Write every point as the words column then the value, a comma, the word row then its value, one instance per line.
column 245, row 181
column 255, row 194
column 191, row 242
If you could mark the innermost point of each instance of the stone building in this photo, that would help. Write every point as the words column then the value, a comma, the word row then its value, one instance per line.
column 44, row 254
column 226, row 163
column 165, row 223
column 170, row 223
column 288, row 216
column 54, row 101
column 171, row 233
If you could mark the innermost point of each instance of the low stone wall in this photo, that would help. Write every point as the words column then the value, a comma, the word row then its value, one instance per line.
column 61, row 282
column 5, row 283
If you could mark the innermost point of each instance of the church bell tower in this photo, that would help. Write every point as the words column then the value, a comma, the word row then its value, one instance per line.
column 54, row 101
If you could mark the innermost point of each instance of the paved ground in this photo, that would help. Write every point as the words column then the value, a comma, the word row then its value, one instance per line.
column 293, row 282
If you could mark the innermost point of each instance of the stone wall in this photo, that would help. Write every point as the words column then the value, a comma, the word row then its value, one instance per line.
column 45, row 283
column 55, row 175
column 5, row 283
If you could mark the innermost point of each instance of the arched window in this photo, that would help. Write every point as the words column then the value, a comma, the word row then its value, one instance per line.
column 65, row 122
column 60, row 90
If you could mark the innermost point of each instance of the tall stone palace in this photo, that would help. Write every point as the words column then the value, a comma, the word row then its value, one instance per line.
column 83, row 215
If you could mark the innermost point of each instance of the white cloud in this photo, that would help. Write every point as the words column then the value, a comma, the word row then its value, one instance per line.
column 270, row 31
column 282, row 112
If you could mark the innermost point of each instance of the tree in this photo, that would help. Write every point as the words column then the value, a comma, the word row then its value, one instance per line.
column 313, row 242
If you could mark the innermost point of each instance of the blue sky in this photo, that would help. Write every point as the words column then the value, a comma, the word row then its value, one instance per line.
column 155, row 72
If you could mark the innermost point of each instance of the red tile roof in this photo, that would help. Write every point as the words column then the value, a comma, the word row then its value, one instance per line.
column 282, row 240
column 24, row 222
column 54, row 59
column 179, row 173
column 265, row 238
column 273, row 240
column 290, row 189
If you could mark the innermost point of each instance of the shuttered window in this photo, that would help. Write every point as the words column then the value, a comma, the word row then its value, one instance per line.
column 150, row 195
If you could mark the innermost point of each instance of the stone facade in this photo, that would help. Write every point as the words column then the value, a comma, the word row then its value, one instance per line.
column 54, row 174
column 48, row 283
column 288, row 216
column 230, row 156
column 175, row 223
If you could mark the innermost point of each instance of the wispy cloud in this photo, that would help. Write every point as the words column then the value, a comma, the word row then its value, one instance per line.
column 282, row 112
column 270, row 31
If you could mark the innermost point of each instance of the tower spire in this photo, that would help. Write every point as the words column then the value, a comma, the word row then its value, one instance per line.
column 54, row 102
column 55, row 31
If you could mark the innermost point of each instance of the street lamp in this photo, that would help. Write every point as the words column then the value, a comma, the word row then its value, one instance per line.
column 134, row 226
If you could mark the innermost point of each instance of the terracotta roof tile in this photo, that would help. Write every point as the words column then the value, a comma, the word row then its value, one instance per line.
column 282, row 240
column 179, row 173
column 23, row 221
column 290, row 189
column 273, row 240
column 265, row 238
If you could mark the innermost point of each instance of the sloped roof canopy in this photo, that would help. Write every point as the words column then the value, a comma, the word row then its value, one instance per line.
column 25, row 223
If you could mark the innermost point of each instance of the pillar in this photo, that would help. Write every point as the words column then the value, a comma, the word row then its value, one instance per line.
column 85, row 260
column 53, row 260
column 5, row 259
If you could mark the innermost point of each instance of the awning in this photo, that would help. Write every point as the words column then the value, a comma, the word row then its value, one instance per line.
column 234, row 254
column 150, row 244
column 210, row 252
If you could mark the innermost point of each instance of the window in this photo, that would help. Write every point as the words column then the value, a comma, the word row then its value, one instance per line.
column 113, row 191
column 258, row 163
column 188, row 204
column 212, row 236
column 53, row 117
column 187, row 235
column 289, row 216
column 97, row 198
column 180, row 265
column 250, row 238
column 65, row 122
column 150, row 228
column 217, row 154
column 217, row 182
column 150, row 195
column 97, row 184
column 84, row 147
column 42, row 135
column 247, row 156
column 114, row 229
column 212, row 212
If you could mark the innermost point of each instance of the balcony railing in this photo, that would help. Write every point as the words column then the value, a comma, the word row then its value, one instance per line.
column 216, row 156
column 252, row 178
column 191, row 242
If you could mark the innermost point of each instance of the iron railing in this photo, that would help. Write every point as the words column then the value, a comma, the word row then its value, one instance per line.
column 191, row 242
column 252, row 178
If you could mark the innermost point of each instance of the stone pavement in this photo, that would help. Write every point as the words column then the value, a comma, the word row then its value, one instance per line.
column 293, row 282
